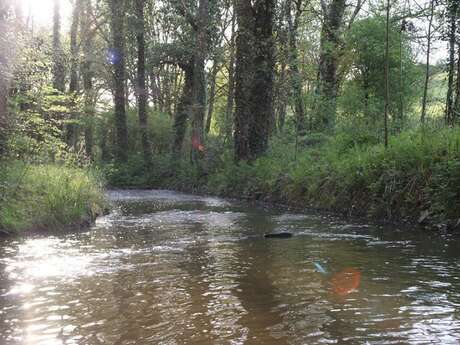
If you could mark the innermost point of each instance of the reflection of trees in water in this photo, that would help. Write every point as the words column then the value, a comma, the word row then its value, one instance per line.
column 219, row 289
column 258, row 295
column 215, row 310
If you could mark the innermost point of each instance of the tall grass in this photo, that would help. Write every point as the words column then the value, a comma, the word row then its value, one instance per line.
column 47, row 196
column 417, row 175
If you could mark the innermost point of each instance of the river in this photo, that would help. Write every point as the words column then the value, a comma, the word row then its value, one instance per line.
column 169, row 268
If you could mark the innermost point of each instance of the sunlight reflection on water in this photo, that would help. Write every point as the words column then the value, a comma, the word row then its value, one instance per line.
column 169, row 268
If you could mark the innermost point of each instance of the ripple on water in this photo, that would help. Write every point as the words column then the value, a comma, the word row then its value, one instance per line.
column 169, row 268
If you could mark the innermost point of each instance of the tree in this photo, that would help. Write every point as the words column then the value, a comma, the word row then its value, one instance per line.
column 387, row 73
column 231, row 78
column 328, row 62
column 7, row 19
column 253, row 77
column 452, row 14
column 296, row 77
column 362, row 95
column 198, row 107
column 58, row 54
column 116, row 57
column 87, row 35
column 74, row 80
column 427, row 68
column 141, row 85
column 190, row 51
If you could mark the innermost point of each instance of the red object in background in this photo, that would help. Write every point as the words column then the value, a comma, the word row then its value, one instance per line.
column 197, row 145
column 345, row 281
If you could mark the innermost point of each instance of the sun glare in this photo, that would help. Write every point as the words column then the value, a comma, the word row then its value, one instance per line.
column 40, row 12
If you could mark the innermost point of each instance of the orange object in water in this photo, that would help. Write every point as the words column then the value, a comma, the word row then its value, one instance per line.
column 345, row 281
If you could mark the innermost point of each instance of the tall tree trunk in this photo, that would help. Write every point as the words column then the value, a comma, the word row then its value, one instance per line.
column 231, row 80
column 74, row 47
column 7, row 53
column 73, row 85
column 244, row 71
column 456, row 110
column 254, row 77
column 427, row 67
column 329, row 50
column 4, row 86
column 181, row 114
column 387, row 73
column 449, row 115
column 141, row 87
column 212, row 95
column 199, row 82
column 296, row 77
column 262, row 86
column 87, row 35
column 117, row 56
column 400, row 123
column 58, row 54
column 282, row 90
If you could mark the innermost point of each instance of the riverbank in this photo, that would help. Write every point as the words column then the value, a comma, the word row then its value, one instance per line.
column 415, row 180
column 47, row 197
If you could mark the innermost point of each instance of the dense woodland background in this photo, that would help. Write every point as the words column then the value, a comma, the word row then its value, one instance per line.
column 349, row 105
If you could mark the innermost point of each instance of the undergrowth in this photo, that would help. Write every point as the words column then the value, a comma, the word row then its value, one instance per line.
column 47, row 196
column 417, row 176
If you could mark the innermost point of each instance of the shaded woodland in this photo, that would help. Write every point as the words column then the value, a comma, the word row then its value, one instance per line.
column 350, row 105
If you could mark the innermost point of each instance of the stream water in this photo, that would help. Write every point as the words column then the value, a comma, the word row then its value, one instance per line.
column 168, row 268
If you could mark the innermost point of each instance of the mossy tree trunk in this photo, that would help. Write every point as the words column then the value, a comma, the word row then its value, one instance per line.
column 254, row 76
column 262, row 89
column 244, row 72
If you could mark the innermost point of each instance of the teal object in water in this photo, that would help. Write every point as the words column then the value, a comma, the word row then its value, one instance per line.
column 320, row 268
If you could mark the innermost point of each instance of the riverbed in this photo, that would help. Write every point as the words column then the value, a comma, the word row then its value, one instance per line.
column 169, row 268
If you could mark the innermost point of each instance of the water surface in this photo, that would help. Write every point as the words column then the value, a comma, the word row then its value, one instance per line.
column 169, row 268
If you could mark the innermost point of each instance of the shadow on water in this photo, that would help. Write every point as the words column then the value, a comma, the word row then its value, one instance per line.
column 170, row 268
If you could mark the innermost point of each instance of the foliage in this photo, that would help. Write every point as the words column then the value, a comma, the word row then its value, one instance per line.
column 363, row 92
column 47, row 196
column 417, row 174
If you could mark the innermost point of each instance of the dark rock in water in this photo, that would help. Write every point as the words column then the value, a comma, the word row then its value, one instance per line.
column 279, row 235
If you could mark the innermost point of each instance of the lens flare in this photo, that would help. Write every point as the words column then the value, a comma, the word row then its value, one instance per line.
column 113, row 56
column 346, row 281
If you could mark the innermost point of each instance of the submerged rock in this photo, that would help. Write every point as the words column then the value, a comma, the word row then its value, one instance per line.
column 279, row 235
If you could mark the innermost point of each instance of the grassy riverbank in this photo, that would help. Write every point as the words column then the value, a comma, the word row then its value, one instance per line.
column 47, row 197
column 416, row 179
